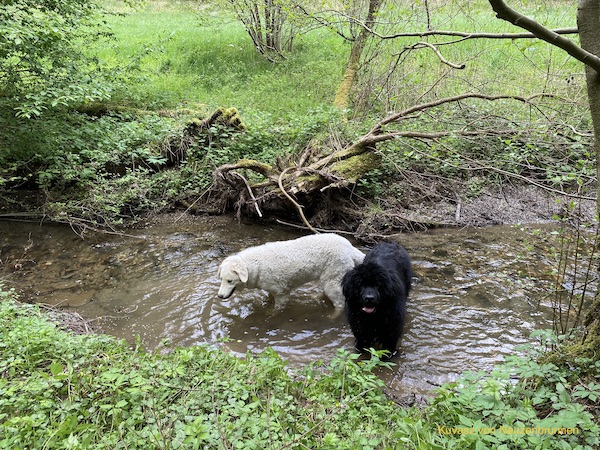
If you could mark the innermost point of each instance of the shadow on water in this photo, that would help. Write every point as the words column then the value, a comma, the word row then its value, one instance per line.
column 476, row 295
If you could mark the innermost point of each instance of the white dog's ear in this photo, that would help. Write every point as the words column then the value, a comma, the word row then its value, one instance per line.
column 242, row 271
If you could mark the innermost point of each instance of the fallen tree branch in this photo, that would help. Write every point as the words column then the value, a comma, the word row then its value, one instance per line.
column 377, row 129
column 262, row 168
column 378, row 134
column 296, row 204
column 317, row 172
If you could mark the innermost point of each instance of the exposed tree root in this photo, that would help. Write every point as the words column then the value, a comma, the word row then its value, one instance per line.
column 323, row 178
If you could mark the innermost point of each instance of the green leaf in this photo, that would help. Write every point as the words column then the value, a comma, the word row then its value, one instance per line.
column 56, row 368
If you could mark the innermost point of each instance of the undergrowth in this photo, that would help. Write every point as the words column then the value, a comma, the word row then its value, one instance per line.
column 169, row 58
column 523, row 403
column 60, row 390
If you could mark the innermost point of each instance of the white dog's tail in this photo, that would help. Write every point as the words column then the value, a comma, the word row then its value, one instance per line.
column 357, row 257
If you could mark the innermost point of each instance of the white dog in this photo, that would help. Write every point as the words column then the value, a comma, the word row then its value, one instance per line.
column 279, row 267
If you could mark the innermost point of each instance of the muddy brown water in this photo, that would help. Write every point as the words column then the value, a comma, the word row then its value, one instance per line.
column 478, row 293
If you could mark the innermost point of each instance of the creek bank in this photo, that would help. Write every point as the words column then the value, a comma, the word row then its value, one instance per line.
column 411, row 204
column 370, row 219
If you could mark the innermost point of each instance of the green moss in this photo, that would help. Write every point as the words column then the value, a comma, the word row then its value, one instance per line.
column 585, row 347
column 255, row 165
column 355, row 167
column 228, row 117
column 231, row 117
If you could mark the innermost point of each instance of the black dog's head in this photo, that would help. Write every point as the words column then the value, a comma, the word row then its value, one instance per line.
column 368, row 289
column 369, row 299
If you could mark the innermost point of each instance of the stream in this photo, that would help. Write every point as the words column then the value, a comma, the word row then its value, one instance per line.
column 478, row 293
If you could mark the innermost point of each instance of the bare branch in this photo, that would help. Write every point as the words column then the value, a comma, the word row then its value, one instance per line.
column 291, row 199
column 466, row 35
column 461, row 34
column 439, row 54
column 504, row 12
column 430, row 32
column 402, row 114
column 250, row 192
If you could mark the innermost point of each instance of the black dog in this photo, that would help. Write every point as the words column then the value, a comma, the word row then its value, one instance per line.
column 376, row 293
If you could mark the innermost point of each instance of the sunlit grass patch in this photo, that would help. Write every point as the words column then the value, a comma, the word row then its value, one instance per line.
column 205, row 57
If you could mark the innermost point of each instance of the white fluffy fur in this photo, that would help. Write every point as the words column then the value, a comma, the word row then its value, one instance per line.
column 279, row 267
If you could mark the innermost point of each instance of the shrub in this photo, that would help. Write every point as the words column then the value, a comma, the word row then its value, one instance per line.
column 60, row 390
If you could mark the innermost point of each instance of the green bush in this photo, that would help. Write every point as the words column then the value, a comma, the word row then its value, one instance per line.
column 522, row 404
column 42, row 63
column 60, row 390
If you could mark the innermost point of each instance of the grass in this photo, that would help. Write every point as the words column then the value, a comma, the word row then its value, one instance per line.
column 196, row 56
column 199, row 56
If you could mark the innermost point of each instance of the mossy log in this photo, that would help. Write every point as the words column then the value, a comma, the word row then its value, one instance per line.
column 590, row 344
column 197, row 133
column 587, row 346
column 262, row 186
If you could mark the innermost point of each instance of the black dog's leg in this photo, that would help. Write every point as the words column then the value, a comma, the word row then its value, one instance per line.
column 362, row 344
column 362, row 347
column 390, row 347
column 389, row 339
column 364, row 339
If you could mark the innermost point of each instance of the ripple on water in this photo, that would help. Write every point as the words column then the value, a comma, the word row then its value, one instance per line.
column 470, row 305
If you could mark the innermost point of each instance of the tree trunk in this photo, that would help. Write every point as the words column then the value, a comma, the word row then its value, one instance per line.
column 265, row 22
column 588, row 22
column 342, row 96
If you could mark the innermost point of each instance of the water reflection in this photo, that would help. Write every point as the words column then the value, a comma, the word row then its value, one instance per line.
column 475, row 295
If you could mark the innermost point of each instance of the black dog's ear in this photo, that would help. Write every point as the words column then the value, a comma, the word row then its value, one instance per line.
column 348, row 283
column 392, row 286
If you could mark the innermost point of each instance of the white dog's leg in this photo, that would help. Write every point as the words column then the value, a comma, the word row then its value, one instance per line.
column 281, row 301
column 333, row 291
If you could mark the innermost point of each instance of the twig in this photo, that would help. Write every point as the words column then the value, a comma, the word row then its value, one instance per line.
column 481, row 166
column 258, row 211
column 296, row 204
column 529, row 180
column 439, row 54
column 458, row 207
column 320, row 230
column 191, row 205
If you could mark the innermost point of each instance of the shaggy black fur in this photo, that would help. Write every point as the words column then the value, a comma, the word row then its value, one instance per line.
column 376, row 293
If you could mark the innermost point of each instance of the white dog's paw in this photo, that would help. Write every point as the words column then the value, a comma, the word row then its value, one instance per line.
column 336, row 313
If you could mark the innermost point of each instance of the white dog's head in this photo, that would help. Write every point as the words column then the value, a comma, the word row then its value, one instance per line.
column 233, row 272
